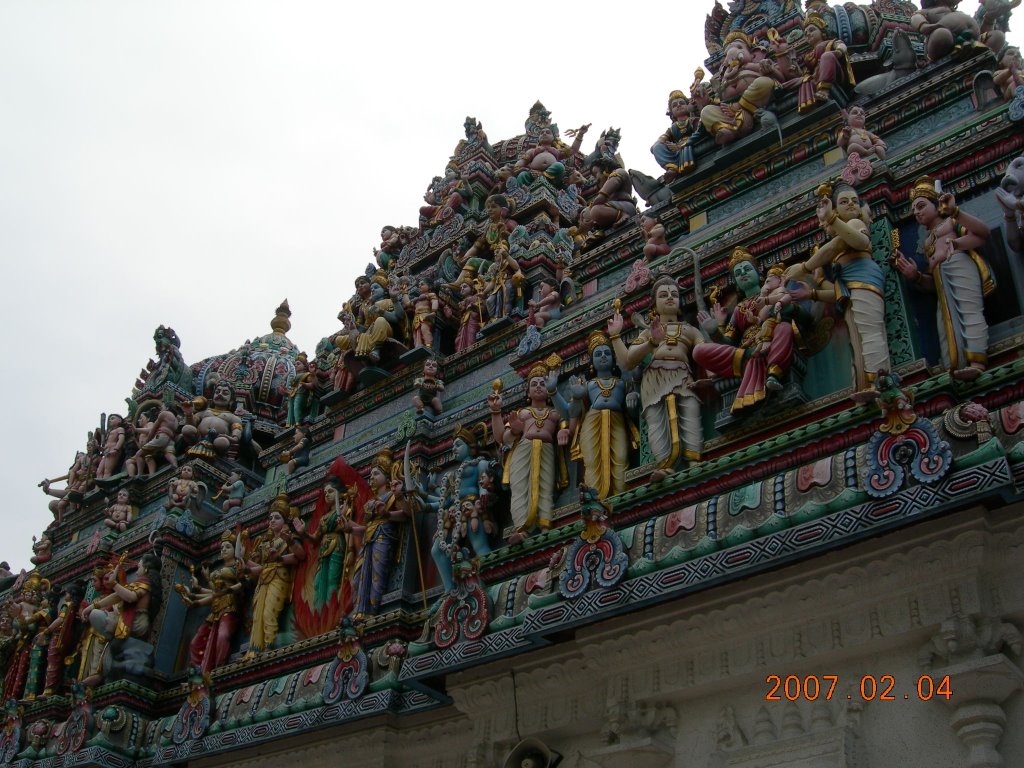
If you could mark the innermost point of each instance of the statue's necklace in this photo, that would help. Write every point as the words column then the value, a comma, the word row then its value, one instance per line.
column 539, row 418
column 606, row 389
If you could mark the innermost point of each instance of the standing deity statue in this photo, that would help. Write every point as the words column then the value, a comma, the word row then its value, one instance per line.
column 271, row 561
column 300, row 392
column 93, row 643
column 58, row 638
column 472, row 314
column 671, row 408
column 858, row 290
column 383, row 513
column 30, row 613
column 211, row 645
column 956, row 273
column 602, row 433
column 534, row 436
column 155, row 438
column 333, row 535
column 113, row 447
column 424, row 311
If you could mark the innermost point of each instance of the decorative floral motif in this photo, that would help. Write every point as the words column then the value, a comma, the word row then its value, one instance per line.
column 463, row 613
column 348, row 674
column 857, row 169
column 193, row 718
column 597, row 558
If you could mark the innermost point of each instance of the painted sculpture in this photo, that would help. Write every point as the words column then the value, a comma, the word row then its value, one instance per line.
column 825, row 66
column 671, row 408
column 602, row 432
column 548, row 305
column 424, row 308
column 548, row 157
column 233, row 489
column 946, row 28
column 30, row 613
column 211, row 645
column 213, row 423
column 754, row 341
column 301, row 387
column 472, row 314
column 121, row 513
column 1010, row 196
column 428, row 388
column 956, row 273
column 535, row 465
column 59, row 638
column 858, row 289
column 271, row 561
column 614, row 201
column 113, row 447
column 156, row 439
column 383, row 514
column 184, row 493
column 855, row 138
column 745, row 82
column 673, row 149
column 297, row 454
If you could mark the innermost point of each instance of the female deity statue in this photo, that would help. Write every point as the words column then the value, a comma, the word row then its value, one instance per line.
column 211, row 645
column 672, row 150
column 604, row 435
column 301, row 389
column 535, row 466
column 476, row 261
column 271, row 561
column 30, row 613
column 753, row 342
column 57, row 638
column 333, row 535
column 382, row 515
column 858, row 289
column 956, row 273
column 671, row 408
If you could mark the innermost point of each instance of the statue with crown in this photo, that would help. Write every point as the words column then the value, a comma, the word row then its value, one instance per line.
column 373, row 345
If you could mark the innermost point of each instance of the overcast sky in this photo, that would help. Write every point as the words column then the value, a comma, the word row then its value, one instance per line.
column 194, row 163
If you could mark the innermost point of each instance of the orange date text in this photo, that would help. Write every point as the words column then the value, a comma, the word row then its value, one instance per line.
column 868, row 688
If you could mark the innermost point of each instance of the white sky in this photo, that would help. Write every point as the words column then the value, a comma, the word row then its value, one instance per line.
column 194, row 163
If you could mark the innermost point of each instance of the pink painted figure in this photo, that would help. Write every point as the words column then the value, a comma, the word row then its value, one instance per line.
column 113, row 447
column 156, row 439
column 957, row 275
column 946, row 28
column 428, row 388
column 183, row 492
column 548, row 306
column 745, row 82
column 1010, row 75
column 824, row 66
column 42, row 549
column 424, row 308
column 855, row 137
column 654, row 231
column 472, row 315
column 774, row 295
column 121, row 513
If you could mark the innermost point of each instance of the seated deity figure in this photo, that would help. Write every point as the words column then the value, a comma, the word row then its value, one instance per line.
column 377, row 319
column 548, row 157
column 745, row 82
column 825, row 66
column 854, row 137
column 1009, row 77
column 946, row 28
column 858, row 289
column 752, row 342
column 672, row 150
column 956, row 273
column 535, row 466
column 492, row 241
column 614, row 201
column 671, row 408
column 214, row 422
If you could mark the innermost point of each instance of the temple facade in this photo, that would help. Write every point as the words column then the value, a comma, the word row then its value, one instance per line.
column 719, row 468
